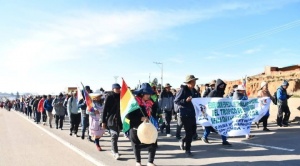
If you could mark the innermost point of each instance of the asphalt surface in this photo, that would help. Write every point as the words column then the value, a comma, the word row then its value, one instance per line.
column 25, row 143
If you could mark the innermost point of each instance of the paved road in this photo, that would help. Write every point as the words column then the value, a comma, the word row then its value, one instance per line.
column 22, row 142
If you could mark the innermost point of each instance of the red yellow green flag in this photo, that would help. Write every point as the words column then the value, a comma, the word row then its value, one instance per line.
column 128, row 104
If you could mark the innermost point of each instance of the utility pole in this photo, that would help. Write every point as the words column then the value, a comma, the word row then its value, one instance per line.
column 162, row 70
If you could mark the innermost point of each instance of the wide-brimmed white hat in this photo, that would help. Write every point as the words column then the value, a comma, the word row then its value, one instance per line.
column 262, row 84
column 95, row 94
column 240, row 87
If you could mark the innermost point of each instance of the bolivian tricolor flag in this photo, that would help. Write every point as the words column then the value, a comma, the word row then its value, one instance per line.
column 127, row 104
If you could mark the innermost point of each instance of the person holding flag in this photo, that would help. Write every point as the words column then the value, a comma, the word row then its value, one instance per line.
column 111, row 118
column 135, row 111
column 82, row 105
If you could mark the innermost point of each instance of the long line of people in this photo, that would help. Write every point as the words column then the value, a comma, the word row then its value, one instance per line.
column 163, row 106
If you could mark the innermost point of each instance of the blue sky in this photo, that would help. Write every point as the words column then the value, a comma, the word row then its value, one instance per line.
column 46, row 46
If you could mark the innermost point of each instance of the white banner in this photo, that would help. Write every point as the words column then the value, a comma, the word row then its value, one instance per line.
column 230, row 117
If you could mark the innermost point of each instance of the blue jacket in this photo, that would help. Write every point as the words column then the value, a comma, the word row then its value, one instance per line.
column 186, row 109
column 48, row 105
column 282, row 96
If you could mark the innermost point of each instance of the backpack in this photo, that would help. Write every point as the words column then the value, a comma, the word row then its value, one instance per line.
column 274, row 99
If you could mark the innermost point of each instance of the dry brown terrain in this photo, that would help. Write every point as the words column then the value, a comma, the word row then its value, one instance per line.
column 253, row 83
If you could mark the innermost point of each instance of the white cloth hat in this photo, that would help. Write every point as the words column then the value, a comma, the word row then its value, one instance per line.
column 262, row 84
column 95, row 94
column 240, row 87
column 147, row 133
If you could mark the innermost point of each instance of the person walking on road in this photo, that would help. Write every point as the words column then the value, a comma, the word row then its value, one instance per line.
column 218, row 91
column 187, row 112
column 41, row 109
column 95, row 129
column 166, row 100
column 148, row 109
column 264, row 92
column 59, row 111
column 84, row 115
column 282, row 103
column 74, row 114
column 37, row 113
column 240, row 94
column 48, row 107
column 112, row 119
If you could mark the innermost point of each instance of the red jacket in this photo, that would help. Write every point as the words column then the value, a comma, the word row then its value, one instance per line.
column 41, row 105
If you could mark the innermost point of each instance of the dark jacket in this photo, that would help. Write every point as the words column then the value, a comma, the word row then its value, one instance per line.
column 186, row 109
column 111, row 111
column 35, row 104
column 135, row 116
column 206, row 92
column 218, row 91
column 48, row 105
column 166, row 101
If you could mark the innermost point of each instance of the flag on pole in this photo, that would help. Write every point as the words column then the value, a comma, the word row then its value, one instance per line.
column 128, row 104
column 79, row 94
column 88, row 101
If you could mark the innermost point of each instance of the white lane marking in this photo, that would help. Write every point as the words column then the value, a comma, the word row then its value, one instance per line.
column 264, row 146
column 67, row 144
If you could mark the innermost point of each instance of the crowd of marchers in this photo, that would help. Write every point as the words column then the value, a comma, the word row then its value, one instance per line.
column 162, row 105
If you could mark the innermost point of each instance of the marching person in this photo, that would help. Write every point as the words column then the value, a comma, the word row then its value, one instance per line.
column 210, row 88
column 111, row 118
column 264, row 92
column 95, row 129
column 42, row 110
column 240, row 94
column 37, row 118
column 148, row 108
column 66, row 103
column 74, row 114
column 84, row 114
column 218, row 91
column 166, row 100
column 187, row 112
column 59, row 110
column 48, row 107
column 282, row 103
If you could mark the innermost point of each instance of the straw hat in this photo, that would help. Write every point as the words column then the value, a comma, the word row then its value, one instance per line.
column 147, row 133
